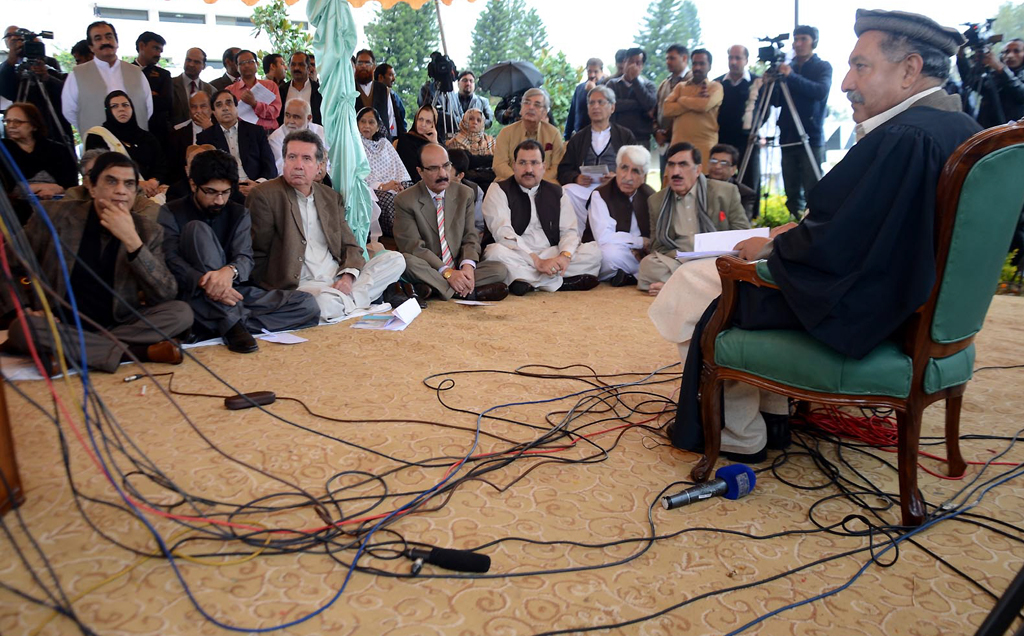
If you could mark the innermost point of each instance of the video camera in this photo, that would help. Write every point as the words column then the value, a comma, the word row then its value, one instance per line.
column 979, row 36
column 772, row 54
column 441, row 69
column 31, row 51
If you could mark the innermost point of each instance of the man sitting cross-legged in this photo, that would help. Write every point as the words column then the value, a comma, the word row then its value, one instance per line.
column 208, row 248
column 120, row 248
column 435, row 231
column 300, row 239
column 535, row 230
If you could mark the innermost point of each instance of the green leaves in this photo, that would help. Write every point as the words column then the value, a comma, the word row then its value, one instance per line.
column 404, row 38
column 668, row 22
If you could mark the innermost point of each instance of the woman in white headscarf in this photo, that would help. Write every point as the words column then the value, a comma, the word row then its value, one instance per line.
column 388, row 175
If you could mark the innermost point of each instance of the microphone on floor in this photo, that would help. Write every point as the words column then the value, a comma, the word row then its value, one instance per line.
column 455, row 560
column 732, row 482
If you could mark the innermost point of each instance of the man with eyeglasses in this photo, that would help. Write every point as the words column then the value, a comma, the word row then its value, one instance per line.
column 259, row 99
column 593, row 145
column 51, row 81
column 435, row 231
column 86, row 88
column 724, row 166
column 533, row 125
column 536, row 234
column 208, row 248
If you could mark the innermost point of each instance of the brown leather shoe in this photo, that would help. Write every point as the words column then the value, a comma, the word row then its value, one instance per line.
column 582, row 282
column 489, row 293
column 165, row 351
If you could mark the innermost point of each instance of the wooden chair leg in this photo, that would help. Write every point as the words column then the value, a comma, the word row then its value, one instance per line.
column 711, row 416
column 955, row 461
column 909, row 427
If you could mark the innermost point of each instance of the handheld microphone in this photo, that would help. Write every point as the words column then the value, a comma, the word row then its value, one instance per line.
column 456, row 560
column 733, row 481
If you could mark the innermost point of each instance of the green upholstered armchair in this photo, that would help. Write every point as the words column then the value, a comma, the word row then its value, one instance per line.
column 979, row 200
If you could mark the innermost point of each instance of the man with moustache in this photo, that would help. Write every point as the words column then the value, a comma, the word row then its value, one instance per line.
column 86, row 88
column 373, row 94
column 873, row 214
column 117, row 276
column 208, row 249
column 267, row 107
column 300, row 238
column 246, row 142
column 301, row 87
column 693, row 105
column 188, row 84
column 435, row 231
column 297, row 116
column 536, row 235
column 150, row 46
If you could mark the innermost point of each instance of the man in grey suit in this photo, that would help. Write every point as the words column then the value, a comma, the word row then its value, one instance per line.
column 300, row 239
column 435, row 231
column 129, row 291
column 188, row 84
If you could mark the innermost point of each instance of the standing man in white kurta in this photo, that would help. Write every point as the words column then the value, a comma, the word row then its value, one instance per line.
column 86, row 88
column 535, row 230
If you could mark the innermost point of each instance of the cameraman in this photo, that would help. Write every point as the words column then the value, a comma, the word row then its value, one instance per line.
column 1000, row 88
column 809, row 79
column 13, row 80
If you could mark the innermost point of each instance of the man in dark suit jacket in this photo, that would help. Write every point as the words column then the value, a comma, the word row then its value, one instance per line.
column 373, row 94
column 230, row 75
column 449, row 264
column 636, row 97
column 122, row 249
column 302, row 87
column 188, row 84
column 150, row 46
column 300, row 239
column 251, row 150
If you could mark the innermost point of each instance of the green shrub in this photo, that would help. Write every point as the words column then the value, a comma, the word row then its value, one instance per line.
column 1009, row 272
column 774, row 213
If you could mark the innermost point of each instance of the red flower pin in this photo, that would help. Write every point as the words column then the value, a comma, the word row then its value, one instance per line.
column 721, row 216
column 548, row 148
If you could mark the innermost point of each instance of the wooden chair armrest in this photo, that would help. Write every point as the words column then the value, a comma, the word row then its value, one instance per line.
column 736, row 269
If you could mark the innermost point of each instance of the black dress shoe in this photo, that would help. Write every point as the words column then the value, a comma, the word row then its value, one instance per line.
column 239, row 340
column 622, row 279
column 779, row 437
column 583, row 282
column 410, row 290
column 520, row 287
column 394, row 295
column 489, row 293
column 747, row 458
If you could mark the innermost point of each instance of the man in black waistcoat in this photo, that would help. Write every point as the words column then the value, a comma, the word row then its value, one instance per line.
column 208, row 248
column 741, row 89
column 535, row 230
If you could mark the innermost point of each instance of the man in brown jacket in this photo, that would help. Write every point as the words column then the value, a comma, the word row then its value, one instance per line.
column 435, row 231
column 300, row 239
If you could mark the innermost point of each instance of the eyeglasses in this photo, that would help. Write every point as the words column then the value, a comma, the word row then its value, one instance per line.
column 720, row 162
column 433, row 169
column 247, row 62
column 216, row 194
column 14, row 122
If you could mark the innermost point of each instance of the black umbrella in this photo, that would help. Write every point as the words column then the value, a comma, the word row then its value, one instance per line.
column 506, row 78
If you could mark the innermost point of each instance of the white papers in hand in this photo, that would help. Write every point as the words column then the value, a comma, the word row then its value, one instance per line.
column 715, row 244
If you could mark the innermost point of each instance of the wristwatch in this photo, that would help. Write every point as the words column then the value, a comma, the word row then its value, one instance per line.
column 235, row 270
column 448, row 273
column 567, row 255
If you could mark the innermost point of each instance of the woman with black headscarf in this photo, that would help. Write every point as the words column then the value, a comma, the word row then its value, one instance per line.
column 121, row 133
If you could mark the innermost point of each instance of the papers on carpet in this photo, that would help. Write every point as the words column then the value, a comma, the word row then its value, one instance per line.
column 397, row 320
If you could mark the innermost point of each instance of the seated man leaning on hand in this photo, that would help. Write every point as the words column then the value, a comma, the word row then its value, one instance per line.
column 535, row 230
column 208, row 247
column 123, row 250
column 300, row 239
column 619, row 219
column 436, row 233
column 691, row 204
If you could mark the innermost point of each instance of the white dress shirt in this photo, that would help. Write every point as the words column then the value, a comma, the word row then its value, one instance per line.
column 862, row 129
column 604, row 227
column 318, row 265
column 599, row 139
column 498, row 217
column 306, row 94
column 231, row 135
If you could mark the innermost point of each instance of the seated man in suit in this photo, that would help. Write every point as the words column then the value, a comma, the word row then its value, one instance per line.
column 434, row 230
column 300, row 239
column 618, row 217
column 535, row 230
column 593, row 145
column 246, row 142
column 129, row 292
column 186, row 133
column 691, row 204
column 208, row 248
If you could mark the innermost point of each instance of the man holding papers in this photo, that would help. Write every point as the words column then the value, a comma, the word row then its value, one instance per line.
column 259, row 101
column 692, row 204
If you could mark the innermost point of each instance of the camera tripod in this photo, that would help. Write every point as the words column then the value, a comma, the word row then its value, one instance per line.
column 771, row 79
column 28, row 80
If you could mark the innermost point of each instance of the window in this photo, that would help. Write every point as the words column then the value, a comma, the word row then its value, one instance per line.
column 114, row 13
column 186, row 18
column 302, row 24
column 230, row 20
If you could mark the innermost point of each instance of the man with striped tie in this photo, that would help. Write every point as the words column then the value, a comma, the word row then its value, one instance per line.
column 436, row 233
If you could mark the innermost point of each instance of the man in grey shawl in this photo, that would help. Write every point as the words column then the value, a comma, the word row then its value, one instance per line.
column 691, row 204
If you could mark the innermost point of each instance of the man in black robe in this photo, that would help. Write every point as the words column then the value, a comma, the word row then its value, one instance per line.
column 863, row 259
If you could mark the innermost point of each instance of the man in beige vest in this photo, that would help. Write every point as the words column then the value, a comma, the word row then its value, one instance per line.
column 691, row 204
column 86, row 88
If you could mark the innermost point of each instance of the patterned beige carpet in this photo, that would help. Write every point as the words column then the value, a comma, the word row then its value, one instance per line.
column 361, row 375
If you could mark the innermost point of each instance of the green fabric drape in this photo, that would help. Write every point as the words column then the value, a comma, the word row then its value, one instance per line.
column 334, row 43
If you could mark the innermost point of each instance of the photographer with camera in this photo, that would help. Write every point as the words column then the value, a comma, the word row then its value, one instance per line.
column 994, row 85
column 29, row 76
column 809, row 79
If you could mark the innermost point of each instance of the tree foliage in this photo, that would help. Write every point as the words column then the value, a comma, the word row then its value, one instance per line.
column 505, row 31
column 404, row 38
column 560, row 79
column 667, row 22
column 285, row 36
column 1010, row 21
